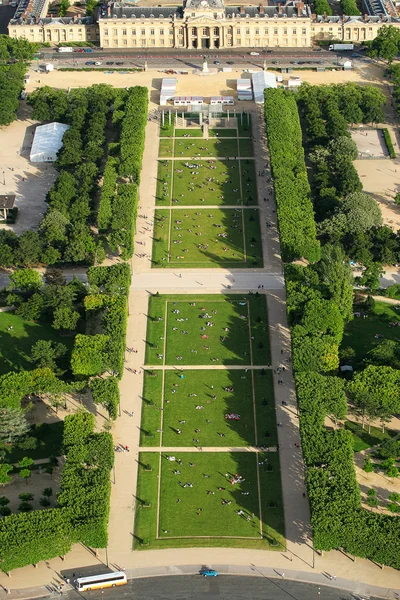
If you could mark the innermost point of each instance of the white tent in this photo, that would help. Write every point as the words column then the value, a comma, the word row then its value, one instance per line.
column 262, row 80
column 47, row 142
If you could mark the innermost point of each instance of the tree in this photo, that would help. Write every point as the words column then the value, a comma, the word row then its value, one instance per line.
column 358, row 212
column 321, row 7
column 63, row 7
column 343, row 147
column 30, row 248
column 55, row 277
column 54, row 226
column 4, row 470
column 88, row 355
column 368, row 466
column 13, row 425
column 386, row 44
column 65, row 318
column 44, row 353
column 90, row 6
column 25, row 468
column 375, row 391
column 25, row 280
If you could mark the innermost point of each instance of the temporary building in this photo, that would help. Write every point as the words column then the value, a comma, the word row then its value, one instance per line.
column 261, row 81
column 47, row 142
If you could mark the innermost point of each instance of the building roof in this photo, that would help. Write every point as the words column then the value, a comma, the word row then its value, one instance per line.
column 7, row 201
column 121, row 11
column 204, row 4
column 47, row 141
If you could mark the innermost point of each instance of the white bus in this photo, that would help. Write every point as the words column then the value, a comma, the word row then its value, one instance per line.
column 97, row 582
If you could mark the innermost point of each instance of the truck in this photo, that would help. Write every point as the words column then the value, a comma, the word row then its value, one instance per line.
column 341, row 47
column 65, row 49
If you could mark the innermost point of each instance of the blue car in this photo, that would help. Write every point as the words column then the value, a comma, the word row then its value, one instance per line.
column 210, row 573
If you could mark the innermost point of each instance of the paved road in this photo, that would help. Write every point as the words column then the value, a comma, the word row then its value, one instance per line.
column 224, row 587
column 170, row 279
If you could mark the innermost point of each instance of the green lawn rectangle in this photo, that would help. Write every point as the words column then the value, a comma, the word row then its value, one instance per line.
column 246, row 147
column 360, row 333
column 151, row 421
column 244, row 125
column 189, row 132
column 214, row 182
column 228, row 338
column 249, row 182
column 166, row 148
column 16, row 343
column 223, row 133
column 230, row 516
column 164, row 178
column 208, row 425
column 207, row 238
column 205, row 148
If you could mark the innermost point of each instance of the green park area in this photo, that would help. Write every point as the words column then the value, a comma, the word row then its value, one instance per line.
column 17, row 337
column 208, row 408
column 190, row 238
column 230, row 329
column 221, row 499
column 226, row 498
column 217, row 172
column 212, row 182
column 368, row 330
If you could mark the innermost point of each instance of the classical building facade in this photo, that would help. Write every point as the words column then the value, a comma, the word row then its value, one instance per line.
column 198, row 24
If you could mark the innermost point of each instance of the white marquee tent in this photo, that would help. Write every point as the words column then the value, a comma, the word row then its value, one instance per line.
column 262, row 80
column 47, row 142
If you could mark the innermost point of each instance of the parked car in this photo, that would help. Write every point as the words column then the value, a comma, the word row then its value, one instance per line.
column 98, row 63
column 217, row 62
column 254, row 54
column 110, row 62
column 119, row 63
column 89, row 63
column 210, row 573
column 230, row 62
column 317, row 49
column 79, row 50
column 294, row 62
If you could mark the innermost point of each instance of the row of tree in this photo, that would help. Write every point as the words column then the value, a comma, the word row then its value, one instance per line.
column 319, row 304
column 107, row 301
column 81, row 514
column 292, row 190
column 14, row 57
column 345, row 214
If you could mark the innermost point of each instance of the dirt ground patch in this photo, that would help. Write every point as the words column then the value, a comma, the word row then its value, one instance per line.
column 28, row 181
column 381, row 179
column 369, row 143
column 34, row 485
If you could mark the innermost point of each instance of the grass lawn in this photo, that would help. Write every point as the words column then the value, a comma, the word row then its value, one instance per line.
column 182, row 524
column 179, row 405
column 223, row 133
column 360, row 333
column 164, row 173
column 365, row 438
column 202, row 148
column 189, row 132
column 244, row 125
column 165, row 149
column 232, row 183
column 151, row 413
column 16, row 344
column 237, row 319
column 246, row 147
column 47, row 438
column 167, row 130
column 201, row 238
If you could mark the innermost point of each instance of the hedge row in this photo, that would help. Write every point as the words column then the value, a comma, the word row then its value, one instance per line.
column 389, row 143
column 133, row 133
column 81, row 515
column 292, row 190
column 106, row 393
column 85, row 483
column 104, row 213
column 319, row 300
column 108, row 297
